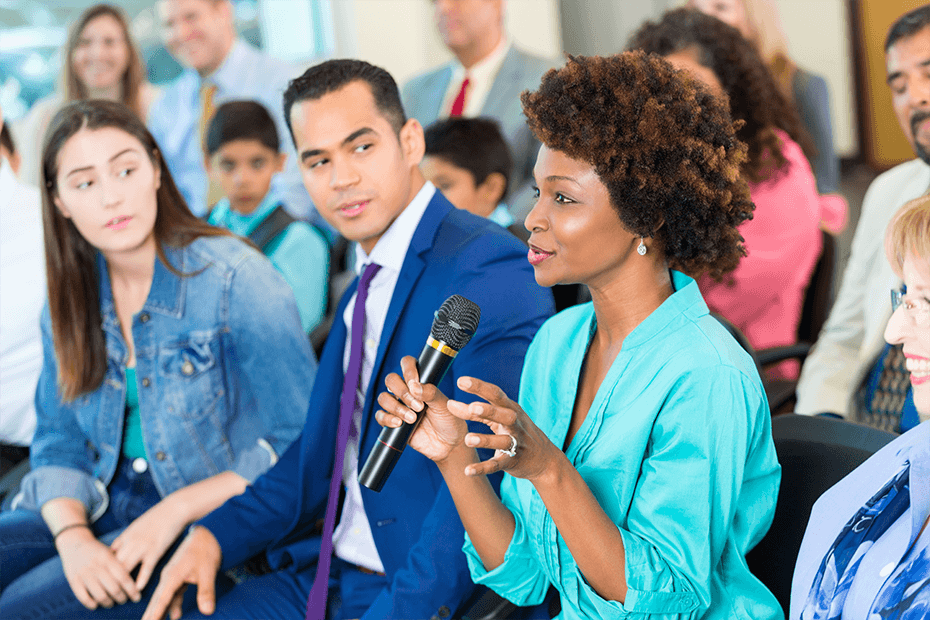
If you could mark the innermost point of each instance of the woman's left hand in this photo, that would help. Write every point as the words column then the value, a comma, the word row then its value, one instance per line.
column 148, row 538
column 534, row 454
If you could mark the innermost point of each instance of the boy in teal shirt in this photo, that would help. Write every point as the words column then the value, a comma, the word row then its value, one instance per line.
column 242, row 156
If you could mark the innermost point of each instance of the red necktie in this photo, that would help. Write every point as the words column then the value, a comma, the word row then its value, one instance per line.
column 458, row 106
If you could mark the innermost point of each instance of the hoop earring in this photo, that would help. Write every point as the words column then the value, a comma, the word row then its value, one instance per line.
column 641, row 248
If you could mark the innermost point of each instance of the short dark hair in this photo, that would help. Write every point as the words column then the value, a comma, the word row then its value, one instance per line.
column 473, row 144
column 663, row 145
column 6, row 140
column 330, row 76
column 908, row 25
column 241, row 120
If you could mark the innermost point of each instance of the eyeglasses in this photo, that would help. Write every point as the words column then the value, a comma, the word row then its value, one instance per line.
column 917, row 308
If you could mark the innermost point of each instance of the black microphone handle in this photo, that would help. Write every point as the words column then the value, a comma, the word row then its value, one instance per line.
column 432, row 366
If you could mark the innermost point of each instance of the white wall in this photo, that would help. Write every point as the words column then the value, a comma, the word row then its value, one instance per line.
column 819, row 40
column 400, row 35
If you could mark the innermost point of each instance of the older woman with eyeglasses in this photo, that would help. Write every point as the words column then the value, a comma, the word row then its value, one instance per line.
column 866, row 551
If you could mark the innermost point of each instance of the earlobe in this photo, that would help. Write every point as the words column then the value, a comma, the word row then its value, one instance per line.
column 61, row 208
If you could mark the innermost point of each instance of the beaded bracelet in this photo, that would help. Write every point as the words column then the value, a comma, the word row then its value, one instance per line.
column 69, row 527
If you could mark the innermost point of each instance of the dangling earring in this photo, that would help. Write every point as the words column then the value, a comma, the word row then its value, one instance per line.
column 641, row 248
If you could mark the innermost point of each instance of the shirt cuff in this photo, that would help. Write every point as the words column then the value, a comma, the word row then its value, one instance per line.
column 255, row 461
column 520, row 578
column 50, row 482
column 651, row 586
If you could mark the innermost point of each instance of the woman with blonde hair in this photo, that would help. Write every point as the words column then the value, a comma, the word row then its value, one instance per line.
column 866, row 551
column 759, row 22
column 100, row 61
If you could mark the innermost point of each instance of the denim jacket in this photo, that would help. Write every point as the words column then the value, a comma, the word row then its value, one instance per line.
column 224, row 375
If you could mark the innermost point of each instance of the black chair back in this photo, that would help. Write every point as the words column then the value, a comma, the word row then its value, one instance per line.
column 815, row 453
column 818, row 299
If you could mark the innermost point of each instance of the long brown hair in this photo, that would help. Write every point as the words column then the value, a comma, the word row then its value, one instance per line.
column 755, row 97
column 133, row 78
column 71, row 261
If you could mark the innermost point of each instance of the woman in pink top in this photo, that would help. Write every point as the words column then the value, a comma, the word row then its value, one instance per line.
column 764, row 295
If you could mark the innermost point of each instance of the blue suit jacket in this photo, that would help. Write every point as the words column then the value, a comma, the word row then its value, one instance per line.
column 519, row 71
column 416, row 528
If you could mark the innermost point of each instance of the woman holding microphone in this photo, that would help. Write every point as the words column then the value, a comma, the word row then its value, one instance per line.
column 639, row 461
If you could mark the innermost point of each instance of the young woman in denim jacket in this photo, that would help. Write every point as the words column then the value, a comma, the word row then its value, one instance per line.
column 175, row 373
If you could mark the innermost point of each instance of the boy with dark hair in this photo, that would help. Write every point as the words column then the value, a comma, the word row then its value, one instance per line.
column 468, row 160
column 396, row 553
column 243, row 155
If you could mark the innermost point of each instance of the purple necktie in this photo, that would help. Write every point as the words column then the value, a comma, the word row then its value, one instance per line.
column 316, row 605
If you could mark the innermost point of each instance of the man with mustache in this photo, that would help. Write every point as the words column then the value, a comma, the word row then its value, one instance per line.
column 851, row 371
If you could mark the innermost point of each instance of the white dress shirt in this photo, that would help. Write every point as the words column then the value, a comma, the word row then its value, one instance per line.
column 22, row 295
column 352, row 539
column 174, row 121
column 481, row 77
column 853, row 335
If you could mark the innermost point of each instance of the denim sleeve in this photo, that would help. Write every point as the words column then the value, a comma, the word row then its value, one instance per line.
column 271, row 359
column 61, row 463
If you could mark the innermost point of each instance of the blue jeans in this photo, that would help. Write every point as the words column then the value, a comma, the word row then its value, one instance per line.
column 32, row 582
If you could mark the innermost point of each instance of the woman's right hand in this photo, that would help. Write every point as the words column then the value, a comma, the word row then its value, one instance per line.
column 439, row 432
column 96, row 577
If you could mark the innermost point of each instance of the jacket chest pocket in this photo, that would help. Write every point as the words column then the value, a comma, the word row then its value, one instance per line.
column 192, row 376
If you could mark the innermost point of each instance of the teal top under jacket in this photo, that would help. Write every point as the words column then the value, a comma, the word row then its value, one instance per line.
column 676, row 447
column 300, row 254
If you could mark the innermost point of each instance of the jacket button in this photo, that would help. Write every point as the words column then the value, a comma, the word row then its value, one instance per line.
column 444, row 612
column 146, row 382
column 160, row 456
column 187, row 368
column 144, row 317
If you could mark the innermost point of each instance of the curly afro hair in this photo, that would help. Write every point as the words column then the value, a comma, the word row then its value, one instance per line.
column 755, row 97
column 662, row 144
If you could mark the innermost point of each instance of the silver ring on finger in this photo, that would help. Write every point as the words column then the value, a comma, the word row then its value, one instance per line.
column 513, row 447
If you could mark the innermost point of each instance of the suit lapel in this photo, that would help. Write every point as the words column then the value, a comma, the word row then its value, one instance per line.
column 506, row 85
column 435, row 93
column 415, row 262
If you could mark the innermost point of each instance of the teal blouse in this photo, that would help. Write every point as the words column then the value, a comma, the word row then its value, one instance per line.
column 300, row 254
column 676, row 447
column 133, row 444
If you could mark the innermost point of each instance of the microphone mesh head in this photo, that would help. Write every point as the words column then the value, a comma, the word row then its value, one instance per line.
column 456, row 321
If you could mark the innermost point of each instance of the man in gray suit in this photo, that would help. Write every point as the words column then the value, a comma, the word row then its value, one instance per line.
column 485, row 79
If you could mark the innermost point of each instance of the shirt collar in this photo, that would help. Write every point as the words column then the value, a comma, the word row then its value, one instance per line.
column 686, row 300
column 486, row 68
column 227, row 76
column 501, row 215
column 166, row 294
column 391, row 249
column 239, row 223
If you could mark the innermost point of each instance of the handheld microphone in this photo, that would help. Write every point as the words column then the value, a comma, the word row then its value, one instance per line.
column 454, row 325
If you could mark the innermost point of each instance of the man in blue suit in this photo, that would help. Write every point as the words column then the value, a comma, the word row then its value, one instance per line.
column 397, row 552
column 485, row 79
